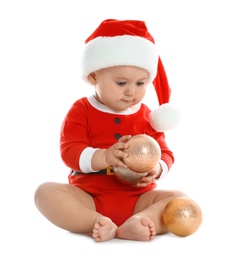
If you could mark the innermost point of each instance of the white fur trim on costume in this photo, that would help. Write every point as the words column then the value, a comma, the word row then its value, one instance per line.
column 101, row 107
column 85, row 159
column 165, row 117
column 165, row 169
column 126, row 50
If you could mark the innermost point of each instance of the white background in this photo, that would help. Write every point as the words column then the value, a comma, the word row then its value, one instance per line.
column 200, row 45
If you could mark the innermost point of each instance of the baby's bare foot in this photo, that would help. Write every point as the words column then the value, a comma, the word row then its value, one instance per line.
column 104, row 229
column 137, row 228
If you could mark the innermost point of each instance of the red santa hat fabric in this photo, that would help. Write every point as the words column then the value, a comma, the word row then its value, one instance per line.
column 128, row 43
column 125, row 42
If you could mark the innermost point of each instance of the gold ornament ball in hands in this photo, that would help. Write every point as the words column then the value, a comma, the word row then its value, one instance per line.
column 127, row 176
column 182, row 216
column 144, row 153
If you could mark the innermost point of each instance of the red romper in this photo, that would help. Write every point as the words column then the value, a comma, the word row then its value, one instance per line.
column 88, row 125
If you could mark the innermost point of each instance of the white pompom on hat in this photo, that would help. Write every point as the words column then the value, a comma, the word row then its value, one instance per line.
column 128, row 43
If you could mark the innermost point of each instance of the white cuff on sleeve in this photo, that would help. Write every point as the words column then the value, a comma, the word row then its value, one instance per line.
column 165, row 169
column 86, row 158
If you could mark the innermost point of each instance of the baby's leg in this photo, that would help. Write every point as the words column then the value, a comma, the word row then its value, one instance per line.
column 104, row 229
column 147, row 220
column 67, row 207
column 137, row 228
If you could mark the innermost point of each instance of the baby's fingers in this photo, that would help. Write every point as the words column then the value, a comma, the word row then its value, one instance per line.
column 124, row 138
column 120, row 154
column 120, row 146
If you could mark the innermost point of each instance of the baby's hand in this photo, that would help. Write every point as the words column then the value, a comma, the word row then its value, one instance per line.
column 153, row 174
column 114, row 154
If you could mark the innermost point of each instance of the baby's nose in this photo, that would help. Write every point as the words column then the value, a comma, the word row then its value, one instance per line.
column 130, row 90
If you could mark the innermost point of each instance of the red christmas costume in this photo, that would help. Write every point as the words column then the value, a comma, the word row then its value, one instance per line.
column 90, row 125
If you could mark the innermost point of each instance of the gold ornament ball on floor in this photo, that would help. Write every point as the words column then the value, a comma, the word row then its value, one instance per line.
column 182, row 216
column 144, row 153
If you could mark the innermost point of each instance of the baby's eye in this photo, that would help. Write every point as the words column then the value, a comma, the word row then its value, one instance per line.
column 120, row 83
column 140, row 83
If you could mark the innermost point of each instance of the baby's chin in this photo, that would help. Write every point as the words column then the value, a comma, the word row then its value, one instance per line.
column 129, row 104
column 122, row 106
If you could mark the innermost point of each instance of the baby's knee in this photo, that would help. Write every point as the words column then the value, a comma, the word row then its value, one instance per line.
column 170, row 195
column 42, row 192
column 177, row 193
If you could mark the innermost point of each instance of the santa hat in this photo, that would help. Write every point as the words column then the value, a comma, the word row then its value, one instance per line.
column 128, row 43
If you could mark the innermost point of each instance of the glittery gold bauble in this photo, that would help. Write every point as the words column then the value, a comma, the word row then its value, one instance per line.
column 144, row 153
column 127, row 176
column 182, row 216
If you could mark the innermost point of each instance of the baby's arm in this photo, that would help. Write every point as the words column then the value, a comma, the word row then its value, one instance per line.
column 103, row 158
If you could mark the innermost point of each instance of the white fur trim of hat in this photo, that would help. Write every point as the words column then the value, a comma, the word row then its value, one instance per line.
column 125, row 50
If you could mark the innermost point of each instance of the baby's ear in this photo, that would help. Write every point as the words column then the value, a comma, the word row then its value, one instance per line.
column 92, row 78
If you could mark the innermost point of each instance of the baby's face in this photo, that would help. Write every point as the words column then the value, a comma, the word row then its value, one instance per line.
column 120, row 87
